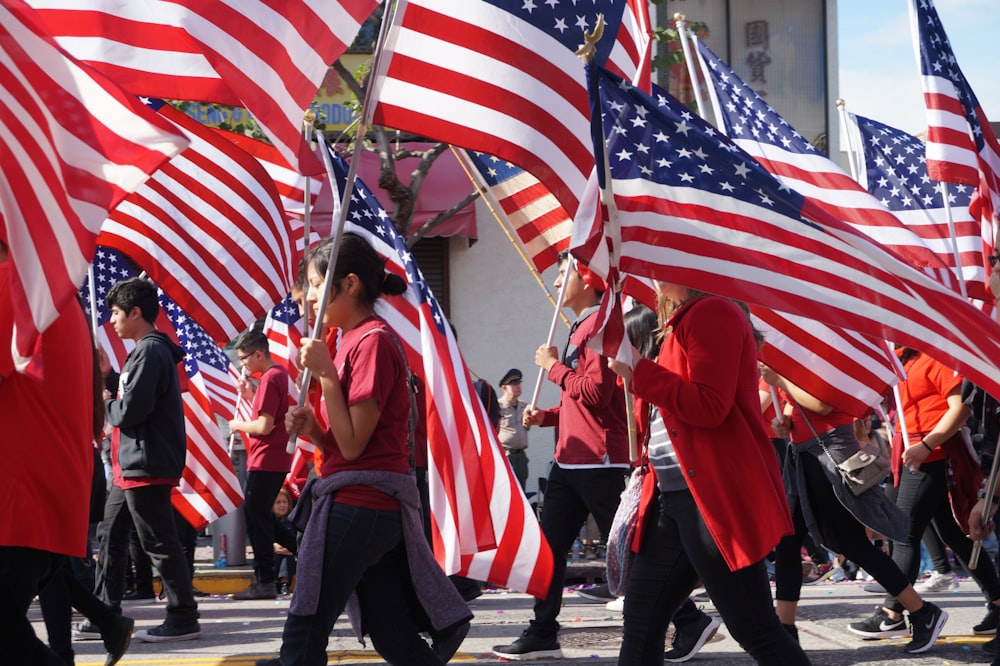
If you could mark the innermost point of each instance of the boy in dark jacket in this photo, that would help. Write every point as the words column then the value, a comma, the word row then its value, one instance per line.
column 148, row 447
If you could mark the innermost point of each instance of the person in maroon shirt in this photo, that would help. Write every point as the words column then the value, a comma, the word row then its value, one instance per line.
column 591, row 458
column 268, row 461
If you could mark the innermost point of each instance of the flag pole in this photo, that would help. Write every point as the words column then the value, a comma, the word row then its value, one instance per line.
column 943, row 189
column 345, row 201
column 308, row 129
column 681, row 23
column 551, row 337
column 494, row 207
column 852, row 155
column 236, row 412
column 93, row 301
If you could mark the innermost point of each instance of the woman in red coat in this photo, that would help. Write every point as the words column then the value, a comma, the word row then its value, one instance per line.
column 728, row 508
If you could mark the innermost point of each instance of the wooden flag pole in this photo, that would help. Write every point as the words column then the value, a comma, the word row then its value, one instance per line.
column 236, row 412
column 552, row 335
column 504, row 222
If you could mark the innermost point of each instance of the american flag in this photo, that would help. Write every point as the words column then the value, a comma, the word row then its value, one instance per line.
column 758, row 129
column 269, row 57
column 209, row 488
column 481, row 523
column 72, row 146
column 961, row 145
column 291, row 185
column 283, row 328
column 501, row 77
column 531, row 210
column 697, row 210
column 892, row 166
column 209, row 229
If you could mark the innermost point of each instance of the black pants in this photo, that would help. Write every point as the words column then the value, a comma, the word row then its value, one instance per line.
column 677, row 552
column 23, row 572
column 58, row 598
column 365, row 553
column 924, row 497
column 150, row 510
column 570, row 496
column 836, row 520
column 258, row 509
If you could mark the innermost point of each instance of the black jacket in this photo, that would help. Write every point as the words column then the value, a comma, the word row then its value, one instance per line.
column 150, row 413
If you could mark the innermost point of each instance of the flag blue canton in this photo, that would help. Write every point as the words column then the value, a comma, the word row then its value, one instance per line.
column 656, row 138
column 198, row 347
column 565, row 20
column 287, row 311
column 897, row 170
column 366, row 212
column 746, row 115
column 938, row 59
column 109, row 267
column 494, row 169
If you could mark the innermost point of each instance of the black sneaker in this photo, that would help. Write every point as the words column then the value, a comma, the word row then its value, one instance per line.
column 257, row 591
column 168, row 634
column 273, row 661
column 925, row 624
column 138, row 595
column 85, row 631
column 990, row 646
column 598, row 593
column 529, row 647
column 690, row 638
column 990, row 622
column 117, row 639
column 446, row 644
column 879, row 625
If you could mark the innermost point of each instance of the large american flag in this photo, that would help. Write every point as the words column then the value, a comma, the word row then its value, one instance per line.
column 209, row 229
column 209, row 488
column 501, row 77
column 697, row 210
column 267, row 56
column 72, row 146
column 531, row 210
column 961, row 145
column 759, row 130
column 481, row 522
column 291, row 186
column 892, row 166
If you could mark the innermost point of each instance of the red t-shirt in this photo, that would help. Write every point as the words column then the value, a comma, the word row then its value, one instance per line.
column 370, row 366
column 800, row 431
column 924, row 395
column 268, row 453
column 47, row 449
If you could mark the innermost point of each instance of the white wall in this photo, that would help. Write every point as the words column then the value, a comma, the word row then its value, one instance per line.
column 502, row 315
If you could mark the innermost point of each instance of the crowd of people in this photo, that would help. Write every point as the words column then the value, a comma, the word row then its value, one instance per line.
column 358, row 538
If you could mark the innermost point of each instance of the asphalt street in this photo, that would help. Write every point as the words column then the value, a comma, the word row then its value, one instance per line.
column 239, row 632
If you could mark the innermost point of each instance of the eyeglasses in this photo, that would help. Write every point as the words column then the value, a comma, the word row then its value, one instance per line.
column 993, row 259
column 245, row 356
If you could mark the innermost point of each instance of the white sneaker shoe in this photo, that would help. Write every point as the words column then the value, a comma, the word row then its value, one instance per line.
column 618, row 605
column 937, row 583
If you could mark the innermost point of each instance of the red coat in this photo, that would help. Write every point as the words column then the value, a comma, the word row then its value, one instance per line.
column 705, row 384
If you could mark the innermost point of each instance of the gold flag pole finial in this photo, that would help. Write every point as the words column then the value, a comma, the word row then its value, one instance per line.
column 587, row 49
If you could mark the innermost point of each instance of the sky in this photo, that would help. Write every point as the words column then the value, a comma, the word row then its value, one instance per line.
column 879, row 78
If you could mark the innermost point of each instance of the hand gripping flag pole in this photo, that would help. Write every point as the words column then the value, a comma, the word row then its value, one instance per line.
column 984, row 518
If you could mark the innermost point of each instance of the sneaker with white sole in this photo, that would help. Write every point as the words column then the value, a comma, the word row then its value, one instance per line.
column 599, row 593
column 926, row 625
column 690, row 638
column 618, row 605
column 874, row 587
column 169, row 634
column 879, row 625
column 937, row 583
column 85, row 631
column 529, row 647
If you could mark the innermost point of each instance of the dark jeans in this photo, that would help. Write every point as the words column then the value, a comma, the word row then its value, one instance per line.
column 570, row 496
column 924, row 496
column 258, row 509
column 677, row 552
column 364, row 553
column 834, row 520
column 23, row 572
column 58, row 598
column 150, row 510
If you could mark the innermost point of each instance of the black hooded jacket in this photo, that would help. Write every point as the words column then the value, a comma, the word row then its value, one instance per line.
column 150, row 413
